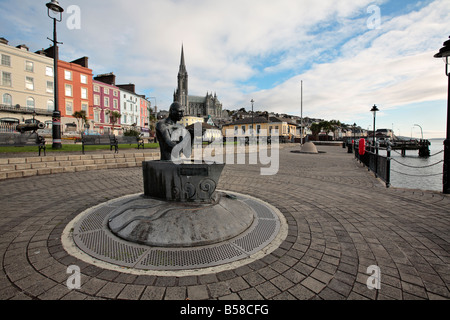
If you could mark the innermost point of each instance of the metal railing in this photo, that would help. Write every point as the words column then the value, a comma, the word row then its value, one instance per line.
column 378, row 164
column 26, row 110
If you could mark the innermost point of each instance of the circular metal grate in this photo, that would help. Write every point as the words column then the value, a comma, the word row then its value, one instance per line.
column 91, row 235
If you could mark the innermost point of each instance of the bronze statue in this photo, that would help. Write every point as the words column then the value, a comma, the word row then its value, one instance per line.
column 170, row 135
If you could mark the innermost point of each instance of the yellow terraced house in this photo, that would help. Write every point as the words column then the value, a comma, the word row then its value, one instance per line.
column 286, row 128
column 26, row 85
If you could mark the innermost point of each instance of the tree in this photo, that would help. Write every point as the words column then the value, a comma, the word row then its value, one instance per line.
column 315, row 129
column 80, row 115
column 114, row 117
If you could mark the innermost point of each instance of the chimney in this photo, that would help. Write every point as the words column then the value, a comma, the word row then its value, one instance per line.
column 49, row 52
column 130, row 87
column 82, row 62
column 4, row 41
column 108, row 78
column 22, row 47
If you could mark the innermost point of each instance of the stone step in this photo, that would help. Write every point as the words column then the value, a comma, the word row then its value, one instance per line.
column 32, row 166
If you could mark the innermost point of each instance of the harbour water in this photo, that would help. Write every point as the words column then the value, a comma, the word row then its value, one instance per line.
column 418, row 173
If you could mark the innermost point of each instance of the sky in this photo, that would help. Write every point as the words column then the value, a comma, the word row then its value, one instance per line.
column 328, row 59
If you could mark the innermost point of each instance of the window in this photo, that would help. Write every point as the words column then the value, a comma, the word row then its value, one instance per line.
column 106, row 102
column 84, row 93
column 68, row 90
column 124, row 118
column 30, row 103
column 96, row 116
column 49, row 71
column 6, row 79
column 96, row 88
column 124, row 106
column 6, row 60
column 50, row 105
column 243, row 129
column 84, row 107
column 67, row 75
column 50, row 86
column 29, row 83
column 115, row 93
column 29, row 66
column 258, row 129
column 115, row 103
column 83, row 78
column 96, row 99
column 105, row 90
column 69, row 107
column 7, row 99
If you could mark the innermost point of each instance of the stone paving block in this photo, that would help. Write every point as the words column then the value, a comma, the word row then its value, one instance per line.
column 7, row 167
column 23, row 166
column 29, row 173
column 111, row 290
column 250, row 294
column 197, row 292
column 44, row 171
column 131, row 292
column 175, row 293
column 16, row 160
column 153, row 293
column 313, row 284
column 14, row 174
column 219, row 289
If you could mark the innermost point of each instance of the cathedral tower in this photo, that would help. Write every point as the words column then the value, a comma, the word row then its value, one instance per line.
column 181, row 95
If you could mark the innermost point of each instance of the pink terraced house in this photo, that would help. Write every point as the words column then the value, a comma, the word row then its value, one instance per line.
column 106, row 100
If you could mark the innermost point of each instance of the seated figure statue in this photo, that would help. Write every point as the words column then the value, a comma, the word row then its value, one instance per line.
column 173, row 138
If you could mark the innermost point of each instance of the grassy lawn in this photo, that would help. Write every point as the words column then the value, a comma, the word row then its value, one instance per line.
column 74, row 147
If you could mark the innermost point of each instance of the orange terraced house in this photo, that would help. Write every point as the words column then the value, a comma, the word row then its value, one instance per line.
column 75, row 93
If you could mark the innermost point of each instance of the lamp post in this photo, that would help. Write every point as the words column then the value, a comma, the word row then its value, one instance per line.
column 421, row 131
column 252, row 118
column 301, row 113
column 444, row 53
column 56, row 118
column 374, row 111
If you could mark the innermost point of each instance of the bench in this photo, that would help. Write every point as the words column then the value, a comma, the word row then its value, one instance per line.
column 10, row 139
column 106, row 139
column 131, row 140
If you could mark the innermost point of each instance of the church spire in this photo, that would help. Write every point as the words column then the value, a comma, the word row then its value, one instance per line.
column 182, row 63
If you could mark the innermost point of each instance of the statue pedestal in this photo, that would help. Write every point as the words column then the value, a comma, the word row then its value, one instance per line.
column 181, row 208
column 183, row 182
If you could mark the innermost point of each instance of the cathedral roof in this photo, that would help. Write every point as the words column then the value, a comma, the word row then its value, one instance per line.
column 197, row 99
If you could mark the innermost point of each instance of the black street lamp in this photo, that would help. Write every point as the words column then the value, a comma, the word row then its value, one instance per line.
column 444, row 53
column 253, row 121
column 374, row 110
column 56, row 118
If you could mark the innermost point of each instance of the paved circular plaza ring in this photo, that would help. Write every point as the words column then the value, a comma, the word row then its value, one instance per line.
column 89, row 238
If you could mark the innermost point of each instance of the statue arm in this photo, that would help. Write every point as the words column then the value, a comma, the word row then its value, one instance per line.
column 164, row 131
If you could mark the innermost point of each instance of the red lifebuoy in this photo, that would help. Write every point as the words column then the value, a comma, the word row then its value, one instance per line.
column 362, row 146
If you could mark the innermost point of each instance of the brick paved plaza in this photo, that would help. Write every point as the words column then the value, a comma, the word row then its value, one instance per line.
column 341, row 221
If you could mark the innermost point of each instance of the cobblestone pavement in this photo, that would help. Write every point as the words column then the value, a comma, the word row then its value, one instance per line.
column 341, row 221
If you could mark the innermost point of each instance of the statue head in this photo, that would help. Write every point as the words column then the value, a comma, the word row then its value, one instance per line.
column 176, row 112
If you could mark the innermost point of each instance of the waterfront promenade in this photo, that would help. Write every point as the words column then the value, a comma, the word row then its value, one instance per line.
column 341, row 221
